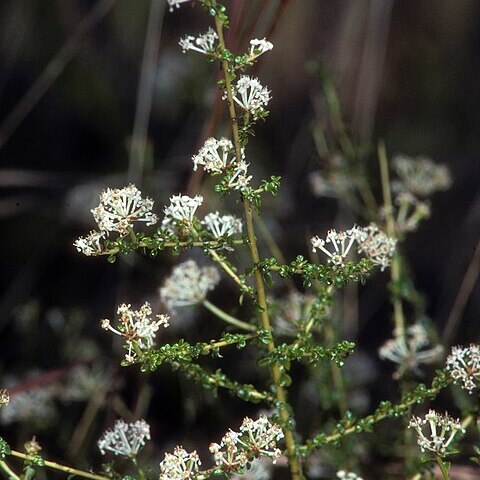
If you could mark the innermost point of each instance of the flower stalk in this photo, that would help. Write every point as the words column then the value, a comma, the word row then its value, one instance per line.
column 62, row 468
column 398, row 314
column 218, row 312
column 294, row 464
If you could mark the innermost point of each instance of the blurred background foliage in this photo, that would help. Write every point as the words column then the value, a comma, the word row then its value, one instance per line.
column 405, row 71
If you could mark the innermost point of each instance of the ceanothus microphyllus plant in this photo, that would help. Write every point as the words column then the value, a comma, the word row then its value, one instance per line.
column 281, row 330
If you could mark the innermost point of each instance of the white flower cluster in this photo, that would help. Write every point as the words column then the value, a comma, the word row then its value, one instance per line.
column 344, row 475
column 180, row 216
column 118, row 210
column 256, row 438
column 125, row 439
column 251, row 95
column 464, row 366
column 180, row 465
column 4, row 397
column 34, row 406
column 236, row 451
column 188, row 285
column 217, row 156
column 341, row 242
column 372, row 242
column 175, row 3
column 376, row 245
column 181, row 212
column 90, row 245
column 412, row 351
column 204, row 43
column 443, row 429
column 137, row 327
column 420, row 176
column 259, row 47
column 222, row 226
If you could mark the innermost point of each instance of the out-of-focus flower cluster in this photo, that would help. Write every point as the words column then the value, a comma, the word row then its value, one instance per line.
column 188, row 285
column 410, row 351
column 344, row 475
column 420, row 176
column 370, row 240
column 125, row 439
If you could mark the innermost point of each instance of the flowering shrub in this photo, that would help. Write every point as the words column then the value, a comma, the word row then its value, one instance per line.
column 296, row 328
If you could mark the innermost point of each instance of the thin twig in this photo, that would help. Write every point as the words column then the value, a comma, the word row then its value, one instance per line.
column 145, row 91
column 468, row 283
column 62, row 468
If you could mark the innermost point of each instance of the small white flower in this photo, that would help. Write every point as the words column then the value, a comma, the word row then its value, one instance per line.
column 125, row 439
column 175, row 3
column 344, row 475
column 443, row 429
column 180, row 465
column 188, row 285
column 259, row 437
column 341, row 242
column 256, row 438
column 464, row 366
column 90, row 245
column 412, row 351
column 222, row 226
column 119, row 208
column 4, row 397
column 137, row 327
column 251, row 95
column 180, row 212
column 239, row 178
column 204, row 43
column 376, row 245
column 259, row 47
column 420, row 176
column 227, row 454
column 215, row 156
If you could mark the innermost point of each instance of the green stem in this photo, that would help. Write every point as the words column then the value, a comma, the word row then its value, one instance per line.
column 395, row 271
column 226, row 343
column 146, row 243
column 228, row 318
column 337, row 376
column 295, row 469
column 140, row 472
column 217, row 258
column 62, row 468
column 443, row 468
column 11, row 474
